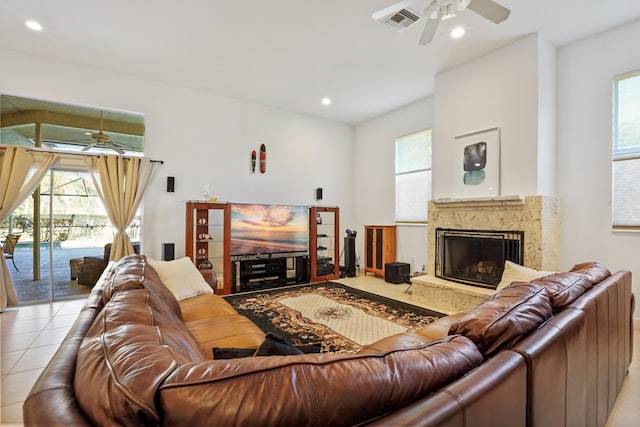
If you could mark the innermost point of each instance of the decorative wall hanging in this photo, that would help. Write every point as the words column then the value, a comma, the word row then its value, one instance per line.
column 476, row 164
column 263, row 158
column 253, row 161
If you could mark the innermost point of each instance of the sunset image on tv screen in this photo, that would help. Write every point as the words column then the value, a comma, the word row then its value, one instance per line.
column 264, row 229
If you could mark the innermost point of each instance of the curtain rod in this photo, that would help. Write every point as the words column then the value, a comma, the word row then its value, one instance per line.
column 83, row 154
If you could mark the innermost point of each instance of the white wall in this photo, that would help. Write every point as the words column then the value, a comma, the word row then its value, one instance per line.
column 547, row 99
column 374, row 179
column 584, row 132
column 499, row 89
column 202, row 138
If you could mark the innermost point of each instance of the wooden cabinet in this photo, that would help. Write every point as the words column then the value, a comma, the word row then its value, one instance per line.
column 208, row 241
column 379, row 248
column 324, row 247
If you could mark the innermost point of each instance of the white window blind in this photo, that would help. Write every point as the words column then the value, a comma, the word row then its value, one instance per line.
column 413, row 176
column 626, row 151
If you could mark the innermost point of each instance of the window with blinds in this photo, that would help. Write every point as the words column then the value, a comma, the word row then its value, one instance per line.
column 626, row 151
column 413, row 177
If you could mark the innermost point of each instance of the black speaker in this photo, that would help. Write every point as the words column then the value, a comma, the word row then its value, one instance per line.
column 171, row 184
column 395, row 272
column 350, row 256
column 168, row 251
column 301, row 269
column 318, row 193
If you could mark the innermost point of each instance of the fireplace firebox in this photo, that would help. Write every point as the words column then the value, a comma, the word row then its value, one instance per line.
column 476, row 257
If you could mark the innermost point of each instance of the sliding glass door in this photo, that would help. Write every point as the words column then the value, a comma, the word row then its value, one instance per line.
column 63, row 230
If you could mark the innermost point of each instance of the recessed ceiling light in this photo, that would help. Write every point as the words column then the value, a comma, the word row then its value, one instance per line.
column 457, row 32
column 35, row 26
column 326, row 101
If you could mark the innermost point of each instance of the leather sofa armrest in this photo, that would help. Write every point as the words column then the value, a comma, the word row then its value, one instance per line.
column 439, row 328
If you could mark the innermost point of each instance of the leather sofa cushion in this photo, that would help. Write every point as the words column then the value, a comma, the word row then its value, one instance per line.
column 205, row 307
column 594, row 271
column 230, row 331
column 564, row 288
column 395, row 342
column 506, row 317
column 333, row 389
column 439, row 328
column 128, row 273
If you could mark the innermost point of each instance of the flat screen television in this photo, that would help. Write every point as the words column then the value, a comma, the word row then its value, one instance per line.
column 258, row 229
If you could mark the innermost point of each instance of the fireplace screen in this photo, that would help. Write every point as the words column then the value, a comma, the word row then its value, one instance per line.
column 476, row 257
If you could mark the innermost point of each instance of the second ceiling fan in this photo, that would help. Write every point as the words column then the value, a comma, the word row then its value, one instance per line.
column 438, row 10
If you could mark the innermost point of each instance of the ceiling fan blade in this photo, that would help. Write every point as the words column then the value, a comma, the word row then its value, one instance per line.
column 114, row 148
column 429, row 30
column 489, row 9
column 389, row 10
column 90, row 146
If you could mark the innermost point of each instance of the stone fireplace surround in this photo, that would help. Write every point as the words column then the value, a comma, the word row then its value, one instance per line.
column 537, row 216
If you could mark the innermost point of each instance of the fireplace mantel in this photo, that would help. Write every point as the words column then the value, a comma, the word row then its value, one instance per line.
column 537, row 216
column 480, row 202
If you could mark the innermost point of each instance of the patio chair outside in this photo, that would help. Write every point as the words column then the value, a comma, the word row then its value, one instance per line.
column 9, row 246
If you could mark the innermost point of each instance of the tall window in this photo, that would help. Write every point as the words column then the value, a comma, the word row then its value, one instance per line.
column 413, row 176
column 626, row 151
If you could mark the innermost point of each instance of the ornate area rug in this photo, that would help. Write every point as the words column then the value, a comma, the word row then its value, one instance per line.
column 335, row 316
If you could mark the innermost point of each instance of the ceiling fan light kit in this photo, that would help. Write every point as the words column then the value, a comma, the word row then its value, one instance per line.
column 400, row 16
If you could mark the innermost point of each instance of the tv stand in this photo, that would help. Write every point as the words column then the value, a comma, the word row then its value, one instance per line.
column 269, row 272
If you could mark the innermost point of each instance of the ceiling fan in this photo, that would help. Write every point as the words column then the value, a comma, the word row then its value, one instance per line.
column 398, row 15
column 102, row 139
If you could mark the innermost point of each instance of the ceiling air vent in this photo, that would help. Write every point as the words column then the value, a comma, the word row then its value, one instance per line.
column 403, row 19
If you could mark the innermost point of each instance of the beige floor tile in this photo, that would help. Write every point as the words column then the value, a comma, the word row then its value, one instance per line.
column 35, row 311
column 71, row 307
column 24, row 326
column 50, row 337
column 11, row 415
column 17, row 342
column 8, row 360
column 16, row 387
column 62, row 321
column 34, row 358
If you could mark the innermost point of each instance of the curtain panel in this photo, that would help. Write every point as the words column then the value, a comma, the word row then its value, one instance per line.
column 121, row 183
column 21, row 170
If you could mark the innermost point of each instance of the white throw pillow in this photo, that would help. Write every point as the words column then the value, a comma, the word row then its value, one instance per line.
column 518, row 273
column 181, row 277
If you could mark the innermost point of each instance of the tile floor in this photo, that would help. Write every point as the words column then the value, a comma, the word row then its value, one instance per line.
column 30, row 335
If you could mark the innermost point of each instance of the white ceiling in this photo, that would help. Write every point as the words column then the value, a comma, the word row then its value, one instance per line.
column 287, row 53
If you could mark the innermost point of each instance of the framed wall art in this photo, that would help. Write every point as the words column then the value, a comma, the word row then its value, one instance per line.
column 476, row 164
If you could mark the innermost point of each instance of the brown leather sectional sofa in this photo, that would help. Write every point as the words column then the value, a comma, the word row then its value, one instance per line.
column 551, row 352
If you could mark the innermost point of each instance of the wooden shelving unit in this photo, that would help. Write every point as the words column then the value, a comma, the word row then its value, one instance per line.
column 208, row 241
column 324, row 246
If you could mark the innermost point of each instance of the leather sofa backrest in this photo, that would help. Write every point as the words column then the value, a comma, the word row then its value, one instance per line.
column 556, row 362
column 493, row 394
column 128, row 273
column 135, row 342
column 594, row 271
column 564, row 288
column 607, row 307
column 314, row 389
column 54, row 388
column 505, row 318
